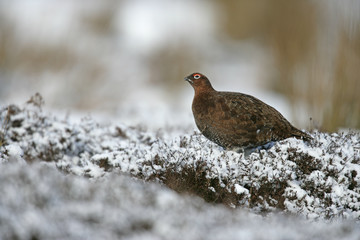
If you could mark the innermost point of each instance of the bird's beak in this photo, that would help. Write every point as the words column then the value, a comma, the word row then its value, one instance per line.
column 188, row 80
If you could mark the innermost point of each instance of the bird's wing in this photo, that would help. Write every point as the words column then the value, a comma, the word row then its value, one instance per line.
column 250, row 118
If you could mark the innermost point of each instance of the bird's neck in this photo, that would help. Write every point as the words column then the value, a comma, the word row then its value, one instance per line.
column 203, row 99
column 203, row 89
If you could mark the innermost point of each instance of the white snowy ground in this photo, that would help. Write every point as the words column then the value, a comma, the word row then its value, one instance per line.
column 66, row 180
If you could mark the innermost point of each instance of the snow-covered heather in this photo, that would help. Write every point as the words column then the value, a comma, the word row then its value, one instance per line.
column 316, row 181
column 39, row 202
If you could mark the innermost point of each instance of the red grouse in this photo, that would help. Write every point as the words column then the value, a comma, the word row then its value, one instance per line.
column 237, row 121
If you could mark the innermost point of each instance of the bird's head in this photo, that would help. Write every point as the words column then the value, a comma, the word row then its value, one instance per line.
column 199, row 82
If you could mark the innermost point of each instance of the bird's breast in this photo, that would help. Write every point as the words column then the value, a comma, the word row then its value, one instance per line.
column 203, row 108
column 203, row 104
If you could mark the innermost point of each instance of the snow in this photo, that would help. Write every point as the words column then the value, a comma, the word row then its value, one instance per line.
column 66, row 179
column 14, row 153
column 240, row 190
column 44, row 203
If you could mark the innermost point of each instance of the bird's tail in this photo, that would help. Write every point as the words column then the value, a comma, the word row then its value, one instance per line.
column 302, row 135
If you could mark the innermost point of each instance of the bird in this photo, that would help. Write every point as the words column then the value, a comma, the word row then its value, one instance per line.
column 237, row 121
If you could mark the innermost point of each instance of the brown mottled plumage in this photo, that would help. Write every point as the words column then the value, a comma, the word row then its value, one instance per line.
column 235, row 120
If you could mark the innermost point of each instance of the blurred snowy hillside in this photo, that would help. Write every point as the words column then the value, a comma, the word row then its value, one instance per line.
column 127, row 59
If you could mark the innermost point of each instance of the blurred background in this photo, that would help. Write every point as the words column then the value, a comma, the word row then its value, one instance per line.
column 127, row 59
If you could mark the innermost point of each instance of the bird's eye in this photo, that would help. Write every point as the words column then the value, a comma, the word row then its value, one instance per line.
column 197, row 76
